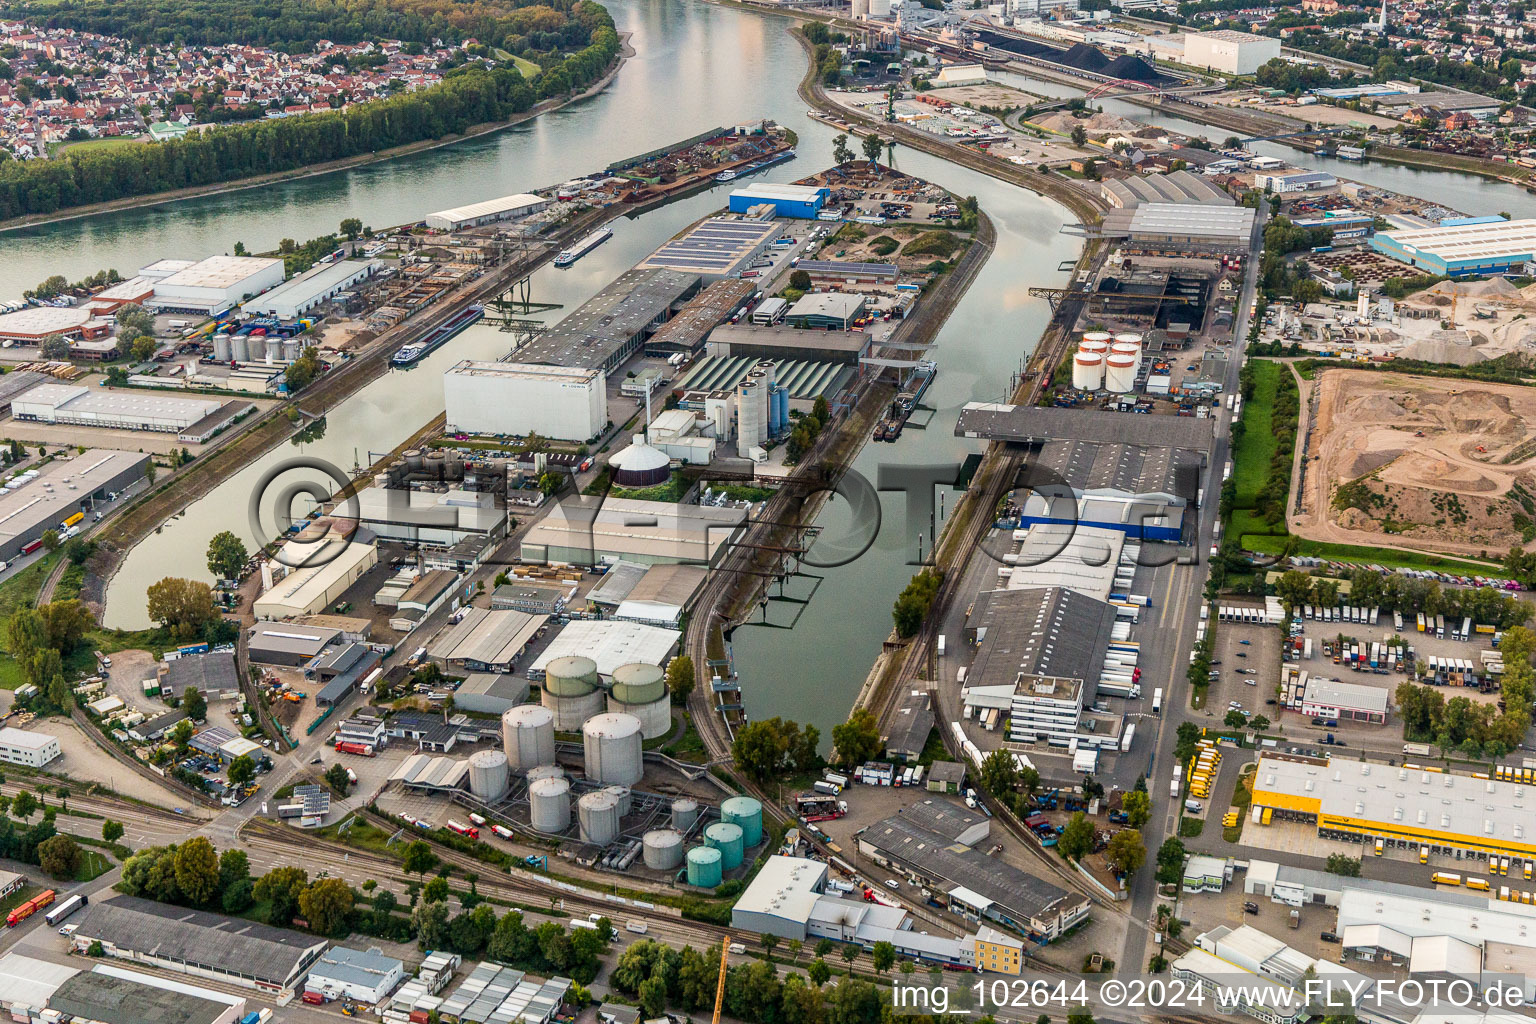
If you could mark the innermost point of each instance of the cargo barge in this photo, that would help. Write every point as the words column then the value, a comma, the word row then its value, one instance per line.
column 732, row 173
column 902, row 406
column 581, row 248
column 409, row 355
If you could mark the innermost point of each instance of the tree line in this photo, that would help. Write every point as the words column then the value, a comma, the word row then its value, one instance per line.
column 1462, row 724
column 470, row 96
column 1393, row 592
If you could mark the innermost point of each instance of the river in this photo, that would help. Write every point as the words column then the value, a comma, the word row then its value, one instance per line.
column 696, row 66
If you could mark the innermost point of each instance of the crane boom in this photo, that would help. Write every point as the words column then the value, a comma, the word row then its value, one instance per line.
column 725, row 953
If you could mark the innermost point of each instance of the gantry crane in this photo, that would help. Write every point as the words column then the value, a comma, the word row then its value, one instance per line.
column 725, row 954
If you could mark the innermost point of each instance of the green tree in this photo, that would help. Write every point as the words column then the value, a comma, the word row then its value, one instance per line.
column 143, row 348
column 351, row 227
column 1126, row 852
column 336, row 778
column 54, row 346
column 1170, row 861
column 1235, row 719
column 183, row 606
column 818, row 971
column 653, row 997
column 326, row 904
column 59, row 856
column 51, row 540
column 849, row 953
column 436, row 890
column 680, row 678
column 195, row 705
column 1077, row 839
column 769, row 943
column 999, row 772
column 1079, row 135
column 858, row 739
column 1343, row 864
column 281, row 887
column 873, row 146
column 883, row 954
column 800, row 280
column 1137, row 806
column 841, row 152
column 24, row 805
column 234, row 867
column 226, row 555
column 197, row 870
column 242, row 770
column 111, row 830
column 431, row 923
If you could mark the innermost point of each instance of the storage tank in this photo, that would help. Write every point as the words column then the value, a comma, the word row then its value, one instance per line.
column 1088, row 371
column 598, row 814
column 726, row 838
column 549, row 805
column 292, row 349
column 685, row 813
column 1097, row 338
column 221, row 348
column 747, row 813
column 781, row 400
column 1099, row 348
column 623, row 796
column 663, row 850
column 641, row 690
column 879, row 8
column 1128, row 338
column 704, row 867
column 240, row 348
column 750, row 427
column 528, row 736
column 1120, row 373
column 413, row 458
column 860, row 9
column 612, row 743
column 545, row 771
column 488, row 776
column 573, row 691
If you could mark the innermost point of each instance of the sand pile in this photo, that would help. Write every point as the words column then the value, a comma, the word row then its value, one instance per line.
column 1450, row 347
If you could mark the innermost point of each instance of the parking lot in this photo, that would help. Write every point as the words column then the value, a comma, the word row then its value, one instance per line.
column 1204, row 911
column 1248, row 658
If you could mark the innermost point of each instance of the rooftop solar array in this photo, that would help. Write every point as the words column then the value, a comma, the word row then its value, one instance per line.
column 716, row 246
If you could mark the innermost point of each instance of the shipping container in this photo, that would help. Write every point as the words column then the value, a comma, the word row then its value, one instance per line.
column 69, row 906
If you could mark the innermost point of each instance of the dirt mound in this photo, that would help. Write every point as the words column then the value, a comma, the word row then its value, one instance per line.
column 1493, row 288
column 1444, row 348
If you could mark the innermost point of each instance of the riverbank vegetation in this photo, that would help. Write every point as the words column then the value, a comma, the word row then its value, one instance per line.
column 470, row 95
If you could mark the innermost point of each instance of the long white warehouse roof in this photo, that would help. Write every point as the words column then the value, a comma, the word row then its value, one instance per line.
column 610, row 643
column 487, row 208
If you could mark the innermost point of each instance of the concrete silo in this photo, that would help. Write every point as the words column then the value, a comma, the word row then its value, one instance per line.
column 704, row 867
column 598, row 815
column 641, row 690
column 222, row 348
column 726, row 838
column 528, row 736
column 750, row 425
column 747, row 813
column 549, row 805
column 612, row 745
column 573, row 691
column 663, row 850
column 488, row 775
column 685, row 813
column 545, row 771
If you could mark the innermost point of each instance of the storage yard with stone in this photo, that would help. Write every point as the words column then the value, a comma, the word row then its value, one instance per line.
column 1401, row 456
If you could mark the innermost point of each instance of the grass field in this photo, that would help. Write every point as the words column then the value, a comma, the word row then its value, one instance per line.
column 96, row 145
column 1274, row 544
column 528, row 68
column 1250, row 458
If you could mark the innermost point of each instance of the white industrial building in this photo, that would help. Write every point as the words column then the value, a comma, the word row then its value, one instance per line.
column 633, row 530
column 304, row 292
column 1230, row 52
column 487, row 212
column 568, row 403
column 308, row 589
column 114, row 409
column 23, row 746
column 422, row 516
column 610, row 644
column 366, row 976
column 211, row 285
column 38, row 500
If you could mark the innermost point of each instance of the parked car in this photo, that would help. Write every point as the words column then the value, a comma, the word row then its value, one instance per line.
column 1250, row 908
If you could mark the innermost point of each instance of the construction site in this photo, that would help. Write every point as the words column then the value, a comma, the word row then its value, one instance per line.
column 1393, row 459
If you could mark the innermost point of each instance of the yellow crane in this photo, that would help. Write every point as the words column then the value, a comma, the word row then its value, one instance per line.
column 725, row 954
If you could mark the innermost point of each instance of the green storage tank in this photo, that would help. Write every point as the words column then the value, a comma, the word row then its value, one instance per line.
column 704, row 867
column 726, row 838
column 748, row 813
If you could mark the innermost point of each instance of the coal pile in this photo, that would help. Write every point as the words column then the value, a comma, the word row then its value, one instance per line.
column 1082, row 57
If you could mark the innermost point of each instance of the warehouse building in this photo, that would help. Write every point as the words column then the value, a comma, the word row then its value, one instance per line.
column 1458, row 249
column 487, row 212
column 1331, row 698
column 23, row 746
column 975, row 886
column 802, row 202
column 133, row 292
column 212, row 674
column 31, row 325
column 487, row 640
column 1287, row 181
column 637, row 531
column 30, row 509
column 610, row 643
column 304, row 292
column 430, row 592
column 365, row 976
column 715, row 248
column 688, row 328
column 1232, row 53
column 1181, row 187
column 1456, row 815
column 111, row 995
column 835, row 311
column 342, row 669
column 114, row 410
column 536, row 597
column 608, row 328
column 213, row 285
column 443, row 516
column 843, row 274
column 283, row 643
column 1183, row 227
column 310, row 576
column 183, row 941
column 564, row 402
column 663, row 595
column 490, row 693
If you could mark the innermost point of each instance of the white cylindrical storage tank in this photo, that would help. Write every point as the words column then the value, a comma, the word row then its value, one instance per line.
column 549, row 805
column 221, row 348
column 240, row 348
column 545, row 771
column 1120, row 374
column 685, row 813
column 1121, row 348
column 641, row 690
column 623, row 796
column 488, row 776
column 1128, row 338
column 879, row 8
column 750, row 421
column 1100, row 348
column 860, row 9
column 663, row 850
column 1088, row 371
column 598, row 814
column 612, row 746
column 528, row 736
column 1097, row 338
column 573, row 691
column 292, row 349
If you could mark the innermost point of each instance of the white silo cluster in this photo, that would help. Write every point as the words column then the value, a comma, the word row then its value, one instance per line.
column 1123, row 363
column 612, row 745
column 1088, row 362
column 751, row 413
column 489, row 778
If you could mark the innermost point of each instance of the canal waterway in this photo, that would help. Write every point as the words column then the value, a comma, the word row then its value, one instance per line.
column 696, row 66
